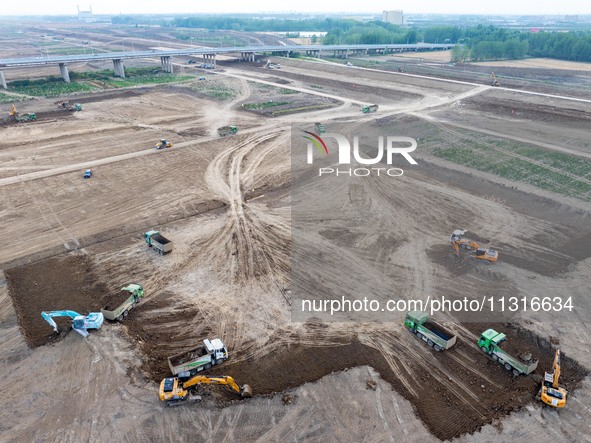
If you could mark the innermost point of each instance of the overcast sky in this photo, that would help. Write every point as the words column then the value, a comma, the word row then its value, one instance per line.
column 496, row 7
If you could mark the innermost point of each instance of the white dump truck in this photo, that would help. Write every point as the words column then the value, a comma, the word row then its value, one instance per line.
column 203, row 357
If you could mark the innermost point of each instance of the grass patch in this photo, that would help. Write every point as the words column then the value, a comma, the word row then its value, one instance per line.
column 54, row 86
column 300, row 109
column 50, row 87
column 285, row 91
column 552, row 171
column 216, row 89
column 5, row 98
column 263, row 105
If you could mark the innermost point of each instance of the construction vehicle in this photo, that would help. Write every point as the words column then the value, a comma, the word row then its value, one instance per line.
column 495, row 80
column 80, row 323
column 158, row 242
column 174, row 390
column 550, row 392
column 67, row 107
column 28, row 117
column 227, row 130
column 369, row 108
column 271, row 65
column 120, row 307
column 14, row 114
column 490, row 343
column 163, row 143
column 320, row 128
column 87, row 173
column 430, row 332
column 203, row 357
column 458, row 242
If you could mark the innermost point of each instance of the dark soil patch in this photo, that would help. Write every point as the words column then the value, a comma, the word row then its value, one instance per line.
column 64, row 282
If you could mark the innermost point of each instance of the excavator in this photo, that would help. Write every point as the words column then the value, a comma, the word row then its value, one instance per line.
column 80, row 323
column 550, row 393
column 163, row 143
column 495, row 80
column 459, row 242
column 174, row 390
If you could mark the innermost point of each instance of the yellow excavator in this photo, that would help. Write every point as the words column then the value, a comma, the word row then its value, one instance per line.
column 13, row 112
column 495, row 80
column 550, row 393
column 178, row 389
column 459, row 242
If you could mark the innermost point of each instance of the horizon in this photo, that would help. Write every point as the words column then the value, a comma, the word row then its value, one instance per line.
column 36, row 8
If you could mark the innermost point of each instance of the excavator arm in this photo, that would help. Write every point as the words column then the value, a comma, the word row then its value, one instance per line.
column 173, row 391
column 48, row 317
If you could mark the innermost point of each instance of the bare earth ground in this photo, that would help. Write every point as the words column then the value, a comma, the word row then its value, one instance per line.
column 69, row 243
column 540, row 63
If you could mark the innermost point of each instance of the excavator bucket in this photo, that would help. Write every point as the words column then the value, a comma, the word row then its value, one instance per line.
column 245, row 391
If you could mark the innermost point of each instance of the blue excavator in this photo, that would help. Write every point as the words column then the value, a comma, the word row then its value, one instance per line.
column 80, row 323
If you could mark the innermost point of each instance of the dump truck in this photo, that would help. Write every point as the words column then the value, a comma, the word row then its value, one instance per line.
column 67, row 107
column 227, row 130
column 320, row 128
column 119, row 307
column 158, row 242
column 203, row 357
column 368, row 109
column 490, row 343
column 430, row 332
column 26, row 117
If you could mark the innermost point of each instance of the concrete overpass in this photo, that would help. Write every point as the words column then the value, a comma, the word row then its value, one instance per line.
column 209, row 55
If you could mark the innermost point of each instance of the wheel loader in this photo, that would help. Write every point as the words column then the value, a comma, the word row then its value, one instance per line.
column 459, row 242
column 174, row 390
column 163, row 143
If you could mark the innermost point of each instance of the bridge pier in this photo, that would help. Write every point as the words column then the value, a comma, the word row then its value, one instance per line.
column 65, row 73
column 118, row 65
column 3, row 80
column 209, row 59
column 247, row 56
column 166, row 64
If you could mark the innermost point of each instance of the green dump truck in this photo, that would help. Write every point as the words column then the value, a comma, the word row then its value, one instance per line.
column 430, row 332
column 369, row 109
column 490, row 343
column 127, row 299
column 320, row 128
column 227, row 130
column 26, row 117
column 157, row 241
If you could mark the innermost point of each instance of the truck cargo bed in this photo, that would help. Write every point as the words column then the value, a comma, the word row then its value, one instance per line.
column 187, row 356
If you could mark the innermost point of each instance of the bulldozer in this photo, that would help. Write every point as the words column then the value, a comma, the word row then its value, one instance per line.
column 458, row 242
column 163, row 143
column 551, row 393
column 174, row 390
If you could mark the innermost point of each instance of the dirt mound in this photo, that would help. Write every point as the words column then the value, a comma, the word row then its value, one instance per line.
column 64, row 282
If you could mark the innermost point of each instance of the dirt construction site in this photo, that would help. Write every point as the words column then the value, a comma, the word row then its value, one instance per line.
column 510, row 165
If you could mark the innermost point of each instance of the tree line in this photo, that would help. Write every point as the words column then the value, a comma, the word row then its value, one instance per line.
column 477, row 42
